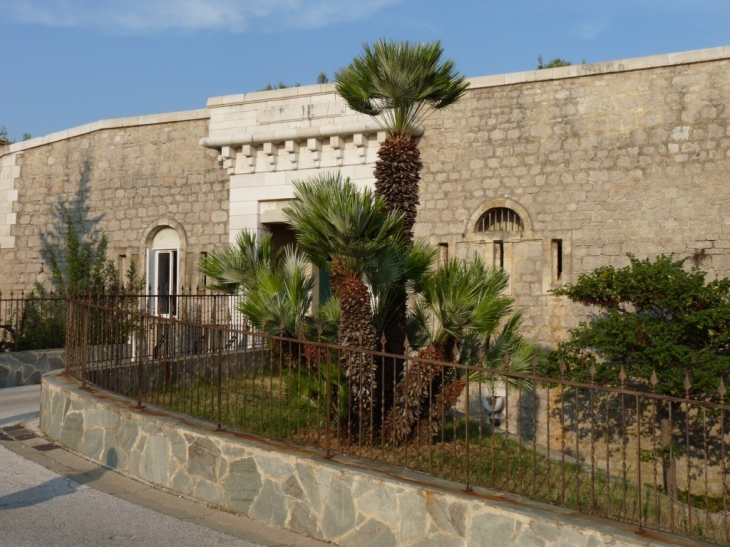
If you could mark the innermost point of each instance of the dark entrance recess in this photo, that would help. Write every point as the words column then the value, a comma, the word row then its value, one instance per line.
column 281, row 236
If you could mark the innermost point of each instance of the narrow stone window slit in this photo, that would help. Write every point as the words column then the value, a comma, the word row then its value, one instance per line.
column 557, row 252
column 498, row 259
column 122, row 269
column 443, row 256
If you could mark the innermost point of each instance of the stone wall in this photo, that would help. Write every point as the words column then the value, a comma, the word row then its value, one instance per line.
column 22, row 368
column 124, row 178
column 299, row 490
column 635, row 160
column 598, row 160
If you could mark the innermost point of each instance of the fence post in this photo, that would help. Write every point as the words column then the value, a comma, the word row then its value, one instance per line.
column 468, row 487
column 220, row 383
column 140, row 361
column 70, row 346
column 84, row 348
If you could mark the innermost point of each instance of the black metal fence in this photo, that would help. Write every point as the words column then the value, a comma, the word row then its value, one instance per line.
column 32, row 322
column 623, row 452
column 29, row 322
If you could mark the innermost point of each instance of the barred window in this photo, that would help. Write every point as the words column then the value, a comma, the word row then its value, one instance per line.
column 499, row 219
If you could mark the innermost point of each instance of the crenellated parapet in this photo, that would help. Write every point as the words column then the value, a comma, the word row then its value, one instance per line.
column 290, row 129
column 305, row 148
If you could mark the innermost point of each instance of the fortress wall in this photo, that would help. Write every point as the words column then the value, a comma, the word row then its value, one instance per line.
column 634, row 161
column 123, row 177
column 606, row 159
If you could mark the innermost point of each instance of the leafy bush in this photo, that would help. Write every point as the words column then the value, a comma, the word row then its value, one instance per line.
column 653, row 316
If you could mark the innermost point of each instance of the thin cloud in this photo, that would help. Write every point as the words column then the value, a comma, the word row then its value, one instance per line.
column 320, row 13
column 154, row 15
column 587, row 31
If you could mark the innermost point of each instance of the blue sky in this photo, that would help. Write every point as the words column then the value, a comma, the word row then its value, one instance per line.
column 70, row 62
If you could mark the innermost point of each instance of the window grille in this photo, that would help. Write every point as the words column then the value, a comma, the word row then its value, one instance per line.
column 500, row 219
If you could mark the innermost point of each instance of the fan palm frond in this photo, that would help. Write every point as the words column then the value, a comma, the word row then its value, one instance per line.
column 232, row 269
column 464, row 297
column 333, row 218
column 278, row 299
column 398, row 82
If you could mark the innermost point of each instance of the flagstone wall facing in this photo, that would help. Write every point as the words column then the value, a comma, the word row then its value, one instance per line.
column 348, row 505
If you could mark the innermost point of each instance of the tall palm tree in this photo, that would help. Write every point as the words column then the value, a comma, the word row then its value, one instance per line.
column 399, row 84
column 461, row 310
column 346, row 231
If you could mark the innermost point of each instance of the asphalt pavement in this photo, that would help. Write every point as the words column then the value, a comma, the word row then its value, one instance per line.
column 51, row 497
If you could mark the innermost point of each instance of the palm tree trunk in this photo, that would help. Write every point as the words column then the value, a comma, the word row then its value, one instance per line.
column 413, row 393
column 389, row 369
column 429, row 428
column 357, row 331
column 397, row 172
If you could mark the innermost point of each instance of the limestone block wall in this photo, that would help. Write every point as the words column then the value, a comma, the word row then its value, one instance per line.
column 124, row 178
column 346, row 504
column 607, row 159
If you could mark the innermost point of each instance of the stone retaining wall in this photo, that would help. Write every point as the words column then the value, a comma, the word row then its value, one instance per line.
column 299, row 490
column 21, row 368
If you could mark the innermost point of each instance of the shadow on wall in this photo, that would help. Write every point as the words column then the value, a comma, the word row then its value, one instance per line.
column 78, row 209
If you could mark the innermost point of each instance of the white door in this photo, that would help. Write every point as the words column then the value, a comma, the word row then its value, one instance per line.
column 163, row 262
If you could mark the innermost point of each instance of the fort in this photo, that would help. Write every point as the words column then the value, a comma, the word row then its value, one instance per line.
column 548, row 174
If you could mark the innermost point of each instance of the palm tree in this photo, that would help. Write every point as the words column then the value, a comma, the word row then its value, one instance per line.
column 233, row 269
column 273, row 289
column 346, row 231
column 397, row 270
column 399, row 84
column 278, row 299
column 461, row 314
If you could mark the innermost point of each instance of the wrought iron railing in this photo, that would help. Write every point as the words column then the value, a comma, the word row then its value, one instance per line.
column 31, row 322
column 625, row 452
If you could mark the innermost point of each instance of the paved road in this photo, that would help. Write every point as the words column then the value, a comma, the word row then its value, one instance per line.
column 50, row 497
column 18, row 404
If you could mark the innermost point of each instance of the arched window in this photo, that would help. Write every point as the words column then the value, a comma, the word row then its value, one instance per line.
column 499, row 219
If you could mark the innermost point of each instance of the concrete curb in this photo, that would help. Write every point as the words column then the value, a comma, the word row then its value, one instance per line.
column 28, row 441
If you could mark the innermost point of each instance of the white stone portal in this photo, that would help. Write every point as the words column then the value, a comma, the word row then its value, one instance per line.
column 269, row 139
